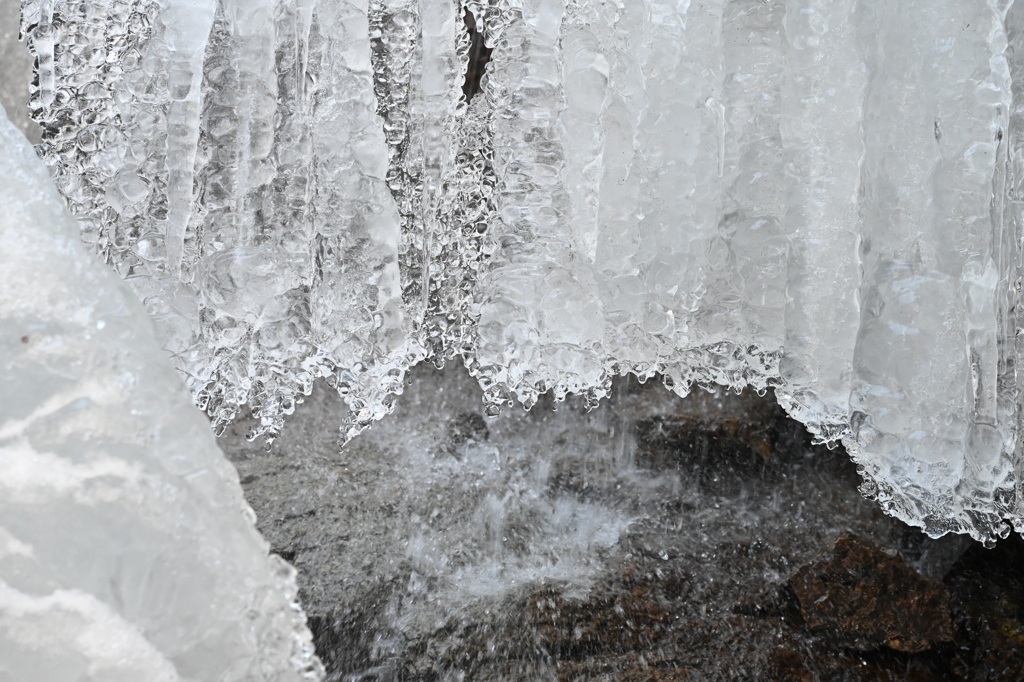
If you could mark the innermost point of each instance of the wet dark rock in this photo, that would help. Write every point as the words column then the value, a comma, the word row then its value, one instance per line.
column 789, row 664
column 988, row 609
column 709, row 449
column 933, row 558
column 865, row 598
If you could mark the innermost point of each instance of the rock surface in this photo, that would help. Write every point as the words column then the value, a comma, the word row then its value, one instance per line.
column 865, row 598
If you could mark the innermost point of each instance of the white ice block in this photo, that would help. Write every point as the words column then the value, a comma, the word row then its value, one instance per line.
column 127, row 551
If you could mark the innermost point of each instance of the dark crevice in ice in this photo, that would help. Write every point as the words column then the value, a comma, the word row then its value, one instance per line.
column 479, row 56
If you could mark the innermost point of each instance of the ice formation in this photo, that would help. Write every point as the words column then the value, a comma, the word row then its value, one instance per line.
column 127, row 551
column 815, row 196
column 15, row 67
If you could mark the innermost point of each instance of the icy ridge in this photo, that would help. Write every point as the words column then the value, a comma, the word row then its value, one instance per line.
column 813, row 197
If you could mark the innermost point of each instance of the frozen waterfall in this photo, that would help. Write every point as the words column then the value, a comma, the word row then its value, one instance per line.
column 814, row 196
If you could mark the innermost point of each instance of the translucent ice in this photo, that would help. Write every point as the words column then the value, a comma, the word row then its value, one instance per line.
column 15, row 70
column 815, row 196
column 126, row 549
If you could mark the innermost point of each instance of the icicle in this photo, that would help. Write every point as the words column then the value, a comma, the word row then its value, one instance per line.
column 186, row 30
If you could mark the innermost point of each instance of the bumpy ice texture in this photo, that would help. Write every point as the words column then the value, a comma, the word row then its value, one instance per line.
column 815, row 196
column 127, row 551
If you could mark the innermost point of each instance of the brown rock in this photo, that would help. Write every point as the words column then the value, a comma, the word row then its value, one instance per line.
column 865, row 598
column 788, row 664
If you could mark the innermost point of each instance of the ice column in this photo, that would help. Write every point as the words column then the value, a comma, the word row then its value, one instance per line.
column 925, row 366
column 357, row 316
column 540, row 320
column 822, row 98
